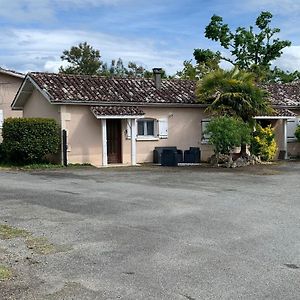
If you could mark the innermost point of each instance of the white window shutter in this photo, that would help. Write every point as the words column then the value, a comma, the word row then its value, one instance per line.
column 291, row 127
column 128, row 130
column 156, row 130
column 163, row 128
column 1, row 118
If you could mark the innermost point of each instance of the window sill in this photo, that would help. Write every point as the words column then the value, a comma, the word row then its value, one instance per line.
column 147, row 138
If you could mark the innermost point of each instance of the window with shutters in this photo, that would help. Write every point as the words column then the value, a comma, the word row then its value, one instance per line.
column 150, row 129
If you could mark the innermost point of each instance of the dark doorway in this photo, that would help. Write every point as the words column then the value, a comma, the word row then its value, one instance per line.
column 114, row 141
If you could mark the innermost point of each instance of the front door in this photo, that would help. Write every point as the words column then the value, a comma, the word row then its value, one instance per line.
column 114, row 141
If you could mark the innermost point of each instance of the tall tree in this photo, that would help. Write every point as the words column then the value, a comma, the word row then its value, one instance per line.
column 82, row 59
column 209, row 59
column 278, row 75
column 189, row 71
column 248, row 48
column 206, row 62
column 134, row 70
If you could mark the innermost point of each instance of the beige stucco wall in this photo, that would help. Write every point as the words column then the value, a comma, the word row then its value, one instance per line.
column 38, row 106
column 85, row 138
column 9, row 85
column 84, row 135
column 184, row 131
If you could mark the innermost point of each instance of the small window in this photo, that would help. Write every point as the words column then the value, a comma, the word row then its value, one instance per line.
column 145, row 127
column 204, row 136
column 291, row 128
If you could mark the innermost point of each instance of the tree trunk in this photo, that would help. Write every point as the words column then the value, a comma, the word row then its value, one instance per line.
column 243, row 150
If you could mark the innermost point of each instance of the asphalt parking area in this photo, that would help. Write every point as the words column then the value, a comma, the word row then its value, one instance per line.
column 152, row 233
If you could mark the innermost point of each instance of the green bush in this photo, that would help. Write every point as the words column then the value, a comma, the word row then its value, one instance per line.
column 263, row 143
column 227, row 133
column 297, row 133
column 29, row 140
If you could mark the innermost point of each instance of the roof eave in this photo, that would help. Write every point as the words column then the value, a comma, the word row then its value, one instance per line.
column 274, row 117
column 141, row 104
column 7, row 72
column 119, row 117
column 23, row 94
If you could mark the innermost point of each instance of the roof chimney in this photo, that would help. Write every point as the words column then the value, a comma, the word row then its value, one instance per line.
column 157, row 77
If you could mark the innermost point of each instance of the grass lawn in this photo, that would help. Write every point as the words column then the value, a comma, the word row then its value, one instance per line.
column 5, row 273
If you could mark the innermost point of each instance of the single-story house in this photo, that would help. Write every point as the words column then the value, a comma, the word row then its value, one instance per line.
column 102, row 115
column 10, row 82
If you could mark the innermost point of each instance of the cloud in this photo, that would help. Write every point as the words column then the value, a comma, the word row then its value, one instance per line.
column 81, row 3
column 276, row 7
column 24, row 11
column 290, row 59
column 40, row 50
column 281, row 7
column 21, row 11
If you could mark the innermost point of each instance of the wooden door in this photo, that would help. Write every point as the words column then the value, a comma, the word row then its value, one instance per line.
column 114, row 141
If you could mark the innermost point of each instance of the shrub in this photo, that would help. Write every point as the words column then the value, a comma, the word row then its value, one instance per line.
column 29, row 140
column 227, row 133
column 263, row 143
column 297, row 133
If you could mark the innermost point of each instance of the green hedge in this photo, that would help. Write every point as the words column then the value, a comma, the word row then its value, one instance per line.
column 29, row 140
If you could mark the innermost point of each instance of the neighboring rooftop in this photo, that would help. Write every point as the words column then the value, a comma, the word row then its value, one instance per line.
column 96, row 89
column 12, row 73
column 284, row 94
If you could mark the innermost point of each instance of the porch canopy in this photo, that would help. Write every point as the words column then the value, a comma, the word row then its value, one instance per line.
column 280, row 114
column 132, row 113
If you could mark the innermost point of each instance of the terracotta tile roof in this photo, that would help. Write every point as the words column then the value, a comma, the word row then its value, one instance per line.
column 284, row 94
column 74, row 89
column 284, row 113
column 99, row 111
column 96, row 89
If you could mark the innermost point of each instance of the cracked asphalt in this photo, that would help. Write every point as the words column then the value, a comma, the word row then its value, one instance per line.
column 154, row 233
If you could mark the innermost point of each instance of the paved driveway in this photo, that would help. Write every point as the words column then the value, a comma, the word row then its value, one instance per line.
column 153, row 233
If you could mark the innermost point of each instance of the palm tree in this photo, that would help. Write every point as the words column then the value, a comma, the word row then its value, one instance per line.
column 233, row 93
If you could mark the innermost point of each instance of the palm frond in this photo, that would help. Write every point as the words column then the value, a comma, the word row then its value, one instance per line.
column 233, row 91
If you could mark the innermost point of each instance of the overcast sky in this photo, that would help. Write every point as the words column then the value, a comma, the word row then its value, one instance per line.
column 154, row 33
